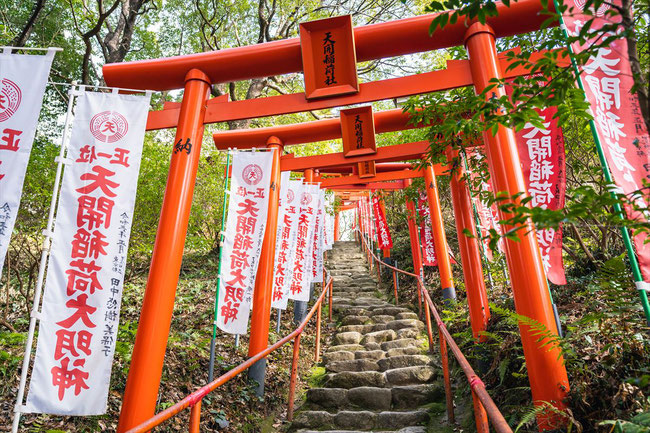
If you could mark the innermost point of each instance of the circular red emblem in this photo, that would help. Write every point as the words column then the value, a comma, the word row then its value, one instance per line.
column 108, row 126
column 290, row 195
column 305, row 199
column 252, row 174
column 10, row 96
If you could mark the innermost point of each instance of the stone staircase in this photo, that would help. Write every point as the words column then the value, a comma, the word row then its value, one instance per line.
column 379, row 375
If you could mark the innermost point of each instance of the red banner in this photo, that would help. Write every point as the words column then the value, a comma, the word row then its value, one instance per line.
column 608, row 81
column 488, row 215
column 426, row 234
column 381, row 225
column 541, row 153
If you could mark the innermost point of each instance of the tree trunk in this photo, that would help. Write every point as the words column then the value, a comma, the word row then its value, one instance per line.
column 640, row 80
column 22, row 38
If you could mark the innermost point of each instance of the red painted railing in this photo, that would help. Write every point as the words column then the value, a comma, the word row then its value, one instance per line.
column 193, row 401
column 483, row 403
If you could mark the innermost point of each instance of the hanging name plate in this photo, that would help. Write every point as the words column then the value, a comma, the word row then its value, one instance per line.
column 367, row 169
column 329, row 60
column 358, row 131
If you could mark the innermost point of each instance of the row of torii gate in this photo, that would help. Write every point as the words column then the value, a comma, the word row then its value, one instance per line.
column 197, row 72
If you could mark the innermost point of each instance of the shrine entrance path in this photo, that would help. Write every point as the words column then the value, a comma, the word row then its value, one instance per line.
column 380, row 376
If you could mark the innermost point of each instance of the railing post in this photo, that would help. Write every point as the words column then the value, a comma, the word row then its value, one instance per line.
column 378, row 273
column 480, row 416
column 318, row 319
column 294, row 374
column 395, row 283
column 329, row 302
column 546, row 371
column 195, row 418
column 145, row 371
column 444, row 357
column 427, row 316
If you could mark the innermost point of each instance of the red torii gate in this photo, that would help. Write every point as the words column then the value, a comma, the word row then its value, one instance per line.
column 195, row 73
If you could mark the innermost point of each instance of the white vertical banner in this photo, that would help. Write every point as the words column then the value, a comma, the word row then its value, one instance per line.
column 288, row 241
column 22, row 84
column 299, row 287
column 329, row 221
column 280, row 267
column 244, row 233
column 83, row 288
column 317, row 247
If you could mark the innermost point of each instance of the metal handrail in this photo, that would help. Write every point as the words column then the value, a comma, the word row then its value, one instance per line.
column 476, row 384
column 193, row 400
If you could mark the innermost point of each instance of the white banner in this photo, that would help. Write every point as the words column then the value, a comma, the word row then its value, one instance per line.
column 83, row 289
column 244, row 233
column 317, row 246
column 289, row 238
column 299, row 288
column 329, row 221
column 280, row 262
column 22, row 84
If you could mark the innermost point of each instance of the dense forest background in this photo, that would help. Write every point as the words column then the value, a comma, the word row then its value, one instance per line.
column 606, row 343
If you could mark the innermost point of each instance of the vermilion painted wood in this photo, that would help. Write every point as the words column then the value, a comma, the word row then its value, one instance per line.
column 438, row 225
column 336, row 229
column 546, row 370
column 331, row 161
column 379, row 167
column 396, row 185
column 308, row 132
column 348, row 118
column 470, row 253
column 457, row 74
column 380, row 177
column 366, row 169
column 142, row 385
column 416, row 251
column 312, row 34
column 263, row 293
column 389, row 39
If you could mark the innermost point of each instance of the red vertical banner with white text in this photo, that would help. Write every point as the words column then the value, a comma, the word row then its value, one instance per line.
column 621, row 130
column 488, row 216
column 426, row 233
column 244, row 232
column 542, row 157
column 83, row 290
column 22, row 84
column 384, row 239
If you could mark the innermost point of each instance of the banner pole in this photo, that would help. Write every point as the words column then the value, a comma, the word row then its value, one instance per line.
column 45, row 251
column 213, row 342
column 618, row 210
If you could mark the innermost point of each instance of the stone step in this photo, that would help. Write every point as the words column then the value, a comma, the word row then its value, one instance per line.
column 361, row 420
column 400, row 376
column 373, row 398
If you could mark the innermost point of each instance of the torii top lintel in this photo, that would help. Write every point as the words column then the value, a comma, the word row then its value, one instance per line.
column 375, row 41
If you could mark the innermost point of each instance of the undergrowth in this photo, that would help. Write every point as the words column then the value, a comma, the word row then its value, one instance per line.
column 185, row 367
